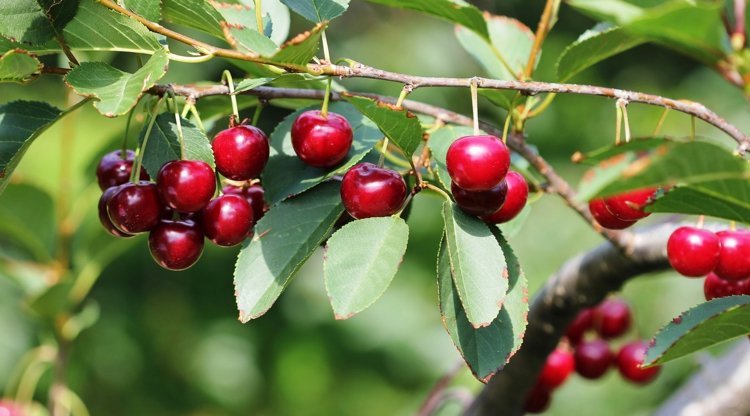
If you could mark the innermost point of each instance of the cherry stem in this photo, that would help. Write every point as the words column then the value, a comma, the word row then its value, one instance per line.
column 327, row 57
column 475, row 105
column 178, row 121
column 738, row 33
column 438, row 190
column 732, row 225
column 383, row 151
column 227, row 77
column 135, row 173
column 259, row 17
column 258, row 109
column 402, row 96
column 659, row 124
column 623, row 105
column 124, row 147
column 701, row 219
column 692, row 128
column 506, row 126
column 618, row 125
column 197, row 117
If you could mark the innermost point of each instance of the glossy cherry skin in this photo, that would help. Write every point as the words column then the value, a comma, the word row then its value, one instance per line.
column 176, row 245
column 227, row 220
column 135, row 208
column 604, row 216
column 104, row 215
column 538, row 400
column 734, row 255
column 241, row 152
column 629, row 360
column 577, row 329
column 186, row 185
column 612, row 318
column 593, row 358
column 113, row 170
column 254, row 194
column 693, row 252
column 629, row 206
column 515, row 199
column 321, row 141
column 557, row 368
column 480, row 203
column 477, row 163
column 716, row 287
column 370, row 191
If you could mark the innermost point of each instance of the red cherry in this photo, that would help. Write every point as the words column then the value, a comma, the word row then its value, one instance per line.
column 693, row 252
column 480, row 203
column 241, row 152
column 370, row 191
column 629, row 206
column 604, row 216
column 577, row 329
column 113, row 170
column 477, row 163
column 557, row 368
column 227, row 220
column 9, row 408
column 176, row 245
column 135, row 208
column 186, row 185
column 629, row 360
column 538, row 399
column 321, row 141
column 253, row 194
column 612, row 318
column 515, row 200
column 734, row 255
column 104, row 215
column 716, row 287
column 593, row 358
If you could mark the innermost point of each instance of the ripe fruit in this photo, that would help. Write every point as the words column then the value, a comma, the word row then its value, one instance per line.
column 370, row 191
column 113, row 170
column 477, row 163
column 241, row 152
column 716, row 287
column 629, row 360
column 135, row 208
column 583, row 322
column 227, row 220
column 321, row 141
column 734, row 255
column 538, row 399
column 629, row 206
column 480, row 203
column 612, row 318
column 593, row 358
column 515, row 200
column 176, row 245
column 604, row 216
column 9, row 408
column 559, row 365
column 104, row 215
column 693, row 252
column 186, row 185
column 253, row 194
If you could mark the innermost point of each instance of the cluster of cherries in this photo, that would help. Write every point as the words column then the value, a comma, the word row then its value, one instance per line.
column 723, row 257
column 592, row 358
column 620, row 211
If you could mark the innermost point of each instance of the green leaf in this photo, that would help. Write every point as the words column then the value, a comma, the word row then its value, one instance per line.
column 35, row 21
column 439, row 143
column 196, row 14
column 501, row 98
column 19, row 66
column 276, row 17
column 615, row 10
column 638, row 146
column 164, row 143
column 27, row 217
column 318, row 11
column 248, row 40
column 286, row 175
column 399, row 125
column 705, row 325
column 250, row 83
column 117, row 91
column 463, row 14
column 361, row 260
column 301, row 49
column 592, row 47
column 285, row 237
column 150, row 9
column 477, row 264
column 728, row 199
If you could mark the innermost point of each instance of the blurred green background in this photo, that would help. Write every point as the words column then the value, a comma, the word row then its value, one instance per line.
column 170, row 344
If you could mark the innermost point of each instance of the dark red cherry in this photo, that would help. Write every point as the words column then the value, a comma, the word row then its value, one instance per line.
column 584, row 321
column 254, row 194
column 135, row 208
column 693, row 252
column 716, row 287
column 186, row 185
column 538, row 400
column 593, row 358
column 480, row 203
column 612, row 318
column 370, row 191
column 241, row 152
column 629, row 206
column 113, row 170
column 734, row 255
column 605, row 218
column 557, row 368
column 477, row 163
column 629, row 360
column 227, row 220
column 515, row 199
column 104, row 215
column 176, row 245
column 321, row 141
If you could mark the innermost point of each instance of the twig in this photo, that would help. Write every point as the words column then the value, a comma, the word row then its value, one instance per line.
column 539, row 36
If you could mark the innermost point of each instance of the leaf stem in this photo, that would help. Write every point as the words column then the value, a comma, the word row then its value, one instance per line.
column 142, row 149
column 226, row 76
column 550, row 10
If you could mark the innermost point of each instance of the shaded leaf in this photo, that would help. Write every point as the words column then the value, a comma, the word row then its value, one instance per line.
column 301, row 49
column 248, row 40
column 607, row 152
column 592, row 47
column 196, row 14
column 35, row 21
column 464, row 14
column 250, row 83
column 19, row 66
column 164, row 143
column 318, row 11
column 399, row 125
column 501, row 98
column 150, row 9
column 27, row 217
column 728, row 199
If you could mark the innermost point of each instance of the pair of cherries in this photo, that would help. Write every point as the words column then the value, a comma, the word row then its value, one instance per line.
column 623, row 210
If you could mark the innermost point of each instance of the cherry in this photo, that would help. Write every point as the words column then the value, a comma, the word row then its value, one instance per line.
column 9, row 408
column 716, row 287
column 612, row 318
column 241, row 152
column 104, row 215
column 321, row 141
column 557, row 368
column 693, row 252
column 538, row 399
column 629, row 360
column 477, row 163
column 113, row 170
column 135, row 208
column 253, row 194
column 583, row 322
column 227, row 220
column 480, row 203
column 734, row 255
column 604, row 216
column 593, row 358
column 370, row 191
column 515, row 200
column 629, row 206
column 186, row 185
column 176, row 245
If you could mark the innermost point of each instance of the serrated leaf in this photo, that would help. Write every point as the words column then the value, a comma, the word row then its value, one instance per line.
column 463, row 14
column 592, row 47
column 250, row 83
column 284, row 238
column 501, row 98
column 248, row 40
column 318, row 11
column 27, row 217
column 399, row 125
column 150, row 9
column 19, row 66
column 300, row 49
column 164, row 143
column 728, row 199
column 477, row 264
column 707, row 324
column 35, row 21
column 117, row 91
column 196, row 14
column 361, row 260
